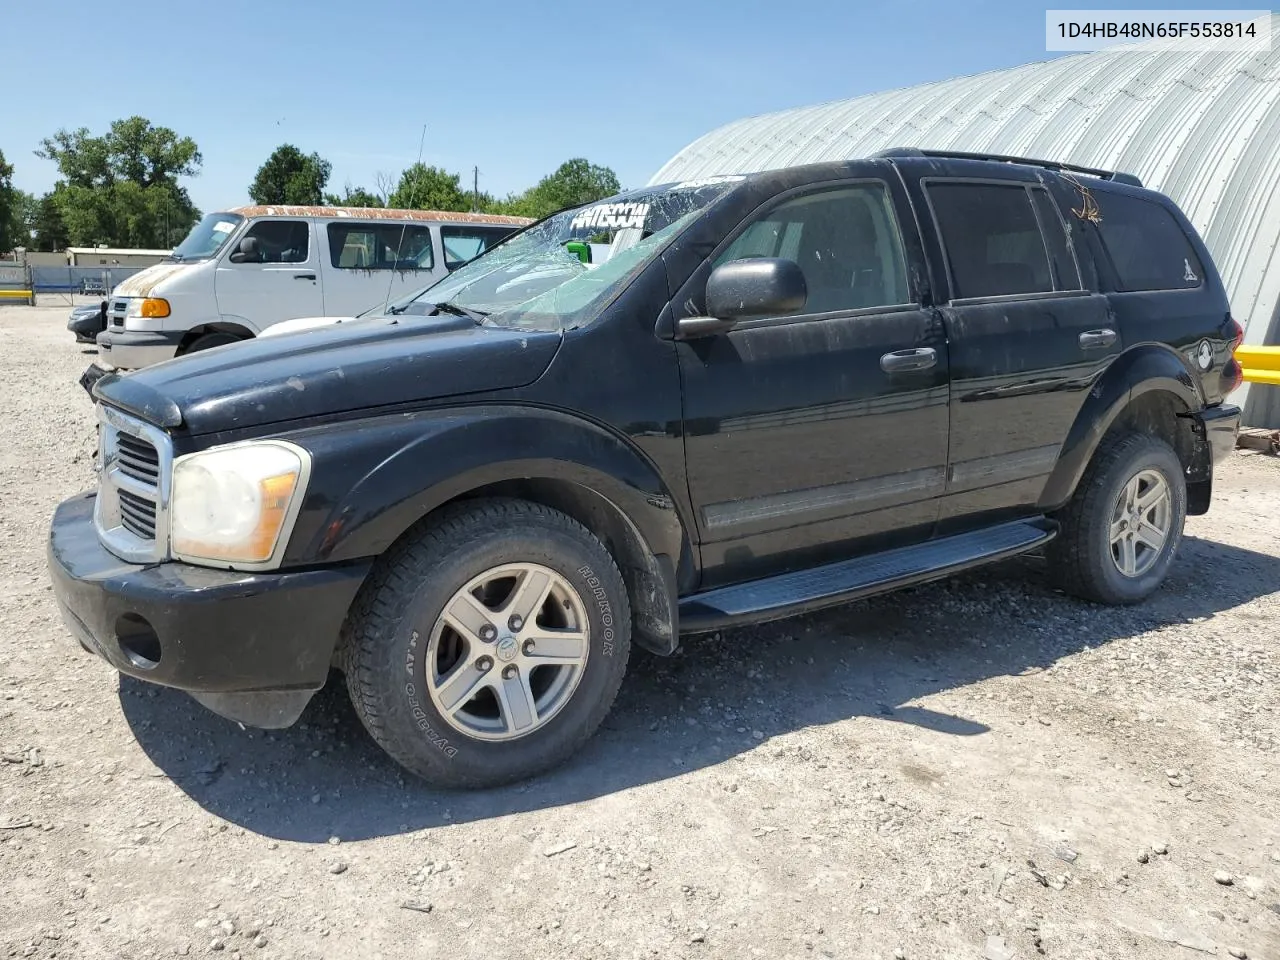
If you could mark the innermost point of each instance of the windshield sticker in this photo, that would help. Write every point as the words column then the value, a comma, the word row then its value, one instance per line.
column 222, row 226
column 708, row 182
column 612, row 216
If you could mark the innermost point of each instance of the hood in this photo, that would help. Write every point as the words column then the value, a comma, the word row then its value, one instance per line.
column 143, row 283
column 357, row 366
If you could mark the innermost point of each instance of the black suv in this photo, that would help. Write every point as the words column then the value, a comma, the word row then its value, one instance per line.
column 685, row 408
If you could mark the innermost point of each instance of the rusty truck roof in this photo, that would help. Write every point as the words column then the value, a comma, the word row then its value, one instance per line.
column 376, row 213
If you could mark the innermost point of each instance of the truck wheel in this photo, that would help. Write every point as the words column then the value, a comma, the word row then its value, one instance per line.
column 207, row 341
column 489, row 646
column 1121, row 529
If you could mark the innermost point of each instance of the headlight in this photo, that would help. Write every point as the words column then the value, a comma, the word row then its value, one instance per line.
column 152, row 308
column 236, row 504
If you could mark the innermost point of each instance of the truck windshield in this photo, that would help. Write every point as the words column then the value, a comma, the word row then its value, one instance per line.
column 561, row 272
column 207, row 237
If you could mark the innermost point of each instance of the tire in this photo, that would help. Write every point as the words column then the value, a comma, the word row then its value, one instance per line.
column 207, row 341
column 1083, row 559
column 395, row 646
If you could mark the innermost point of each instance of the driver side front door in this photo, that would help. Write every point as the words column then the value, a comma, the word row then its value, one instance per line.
column 283, row 284
column 805, row 439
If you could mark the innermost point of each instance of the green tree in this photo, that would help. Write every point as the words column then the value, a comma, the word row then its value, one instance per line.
column 429, row 188
column 291, row 177
column 22, row 216
column 574, row 182
column 47, row 225
column 122, row 188
column 353, row 197
column 8, row 198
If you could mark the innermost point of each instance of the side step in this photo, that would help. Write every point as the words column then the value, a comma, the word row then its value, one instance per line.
column 834, row 583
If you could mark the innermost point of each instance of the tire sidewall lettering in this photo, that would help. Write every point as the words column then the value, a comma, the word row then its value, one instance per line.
column 600, row 597
column 416, row 711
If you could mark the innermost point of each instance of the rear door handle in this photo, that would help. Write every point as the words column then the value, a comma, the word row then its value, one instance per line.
column 903, row 361
column 1097, row 339
column 304, row 276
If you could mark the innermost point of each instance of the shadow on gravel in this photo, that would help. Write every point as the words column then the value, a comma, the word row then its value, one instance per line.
column 718, row 698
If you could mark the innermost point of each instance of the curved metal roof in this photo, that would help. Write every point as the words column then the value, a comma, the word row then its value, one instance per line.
column 1202, row 127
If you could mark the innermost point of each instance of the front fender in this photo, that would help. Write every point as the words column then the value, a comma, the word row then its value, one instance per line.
column 373, row 479
column 230, row 318
column 1139, row 370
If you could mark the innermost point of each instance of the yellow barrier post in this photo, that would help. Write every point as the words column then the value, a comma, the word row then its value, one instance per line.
column 1260, row 364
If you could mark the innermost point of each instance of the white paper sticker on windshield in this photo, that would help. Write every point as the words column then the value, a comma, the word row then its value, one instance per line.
column 222, row 226
column 612, row 216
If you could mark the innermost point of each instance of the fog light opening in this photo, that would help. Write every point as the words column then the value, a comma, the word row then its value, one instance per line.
column 138, row 641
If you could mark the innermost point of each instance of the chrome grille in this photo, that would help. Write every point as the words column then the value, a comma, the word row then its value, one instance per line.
column 137, row 515
column 133, row 487
column 138, row 458
column 116, row 314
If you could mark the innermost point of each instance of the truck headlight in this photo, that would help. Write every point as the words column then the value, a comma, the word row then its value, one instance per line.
column 237, row 504
column 141, row 311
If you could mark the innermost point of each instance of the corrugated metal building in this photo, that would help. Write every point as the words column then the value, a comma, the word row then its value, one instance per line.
column 1203, row 127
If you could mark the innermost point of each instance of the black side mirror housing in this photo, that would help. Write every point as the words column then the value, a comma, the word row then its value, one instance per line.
column 745, row 289
column 247, row 252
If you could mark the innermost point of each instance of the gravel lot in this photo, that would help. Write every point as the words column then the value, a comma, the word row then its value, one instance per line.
column 976, row 769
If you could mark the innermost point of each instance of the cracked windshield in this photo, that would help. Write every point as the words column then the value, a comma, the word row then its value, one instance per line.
column 562, row 271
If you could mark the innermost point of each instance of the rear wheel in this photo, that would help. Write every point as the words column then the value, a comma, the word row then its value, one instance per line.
column 489, row 646
column 1120, row 532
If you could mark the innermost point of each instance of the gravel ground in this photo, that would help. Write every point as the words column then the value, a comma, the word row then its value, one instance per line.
column 980, row 768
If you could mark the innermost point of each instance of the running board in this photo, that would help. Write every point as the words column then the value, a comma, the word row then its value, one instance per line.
column 834, row 583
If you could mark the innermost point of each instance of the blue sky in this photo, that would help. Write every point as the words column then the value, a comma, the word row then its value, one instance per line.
column 514, row 88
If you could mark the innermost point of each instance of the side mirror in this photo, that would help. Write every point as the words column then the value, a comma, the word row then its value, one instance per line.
column 744, row 289
column 247, row 252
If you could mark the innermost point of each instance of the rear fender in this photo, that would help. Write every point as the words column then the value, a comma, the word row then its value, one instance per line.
column 1139, row 370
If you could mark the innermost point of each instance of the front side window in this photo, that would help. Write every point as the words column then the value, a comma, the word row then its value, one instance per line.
column 992, row 240
column 380, row 246
column 1146, row 245
column 279, row 241
column 846, row 242
column 466, row 243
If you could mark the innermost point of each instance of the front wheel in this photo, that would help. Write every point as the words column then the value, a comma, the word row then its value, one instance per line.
column 490, row 645
column 1121, row 530
column 207, row 341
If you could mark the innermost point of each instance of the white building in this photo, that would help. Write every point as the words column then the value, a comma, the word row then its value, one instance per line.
column 1202, row 127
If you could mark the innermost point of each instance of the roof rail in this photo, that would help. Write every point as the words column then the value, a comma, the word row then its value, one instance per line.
column 1113, row 175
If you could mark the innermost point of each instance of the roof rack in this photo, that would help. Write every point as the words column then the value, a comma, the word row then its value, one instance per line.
column 1113, row 175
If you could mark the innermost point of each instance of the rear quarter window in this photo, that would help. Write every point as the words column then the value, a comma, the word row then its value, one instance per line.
column 1146, row 245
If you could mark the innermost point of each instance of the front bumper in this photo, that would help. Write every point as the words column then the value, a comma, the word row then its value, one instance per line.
column 87, row 327
column 133, row 349
column 253, row 647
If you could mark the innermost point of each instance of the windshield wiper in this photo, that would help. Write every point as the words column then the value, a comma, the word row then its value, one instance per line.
column 460, row 311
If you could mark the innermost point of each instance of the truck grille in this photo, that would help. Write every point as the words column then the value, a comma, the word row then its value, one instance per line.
column 116, row 314
column 138, row 458
column 133, row 487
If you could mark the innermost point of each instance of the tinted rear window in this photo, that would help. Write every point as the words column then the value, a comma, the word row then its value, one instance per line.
column 992, row 240
column 1146, row 245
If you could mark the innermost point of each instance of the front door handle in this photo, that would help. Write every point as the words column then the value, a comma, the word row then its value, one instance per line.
column 1097, row 339
column 304, row 276
column 903, row 361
